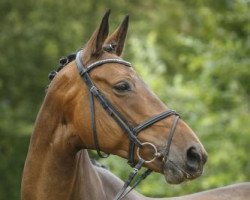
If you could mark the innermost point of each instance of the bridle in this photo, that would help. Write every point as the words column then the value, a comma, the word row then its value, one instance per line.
column 128, row 129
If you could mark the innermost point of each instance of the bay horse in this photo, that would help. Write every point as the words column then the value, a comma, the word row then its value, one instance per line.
column 97, row 101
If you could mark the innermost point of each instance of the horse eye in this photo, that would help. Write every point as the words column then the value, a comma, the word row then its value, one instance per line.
column 122, row 87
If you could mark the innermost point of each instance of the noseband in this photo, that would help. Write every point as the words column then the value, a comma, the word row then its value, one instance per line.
column 128, row 129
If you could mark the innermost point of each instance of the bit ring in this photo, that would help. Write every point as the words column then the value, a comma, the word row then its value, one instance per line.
column 156, row 153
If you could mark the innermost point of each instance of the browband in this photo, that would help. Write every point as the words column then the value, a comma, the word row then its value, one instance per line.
column 88, row 68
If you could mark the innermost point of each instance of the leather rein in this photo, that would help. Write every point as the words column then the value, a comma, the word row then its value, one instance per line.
column 128, row 129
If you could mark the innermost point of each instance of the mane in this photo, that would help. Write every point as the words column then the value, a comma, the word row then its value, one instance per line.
column 63, row 61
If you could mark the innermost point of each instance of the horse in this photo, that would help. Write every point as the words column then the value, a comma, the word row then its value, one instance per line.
column 97, row 101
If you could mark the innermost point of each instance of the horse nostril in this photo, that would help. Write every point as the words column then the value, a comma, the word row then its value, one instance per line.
column 193, row 159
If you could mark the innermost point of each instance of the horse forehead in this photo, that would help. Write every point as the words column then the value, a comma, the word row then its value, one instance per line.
column 113, row 71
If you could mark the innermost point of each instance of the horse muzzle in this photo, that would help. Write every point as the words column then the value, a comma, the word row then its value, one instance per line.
column 177, row 170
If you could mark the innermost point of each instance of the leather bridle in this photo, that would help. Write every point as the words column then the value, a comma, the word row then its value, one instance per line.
column 128, row 129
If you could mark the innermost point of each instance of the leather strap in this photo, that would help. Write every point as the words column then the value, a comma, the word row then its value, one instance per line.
column 93, row 125
column 153, row 120
column 112, row 111
column 130, row 178
column 144, row 125
column 128, row 129
column 144, row 175
column 170, row 138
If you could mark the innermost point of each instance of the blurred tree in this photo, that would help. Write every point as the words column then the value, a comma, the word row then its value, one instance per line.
column 194, row 54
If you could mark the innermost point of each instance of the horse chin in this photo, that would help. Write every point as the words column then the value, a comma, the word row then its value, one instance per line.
column 173, row 174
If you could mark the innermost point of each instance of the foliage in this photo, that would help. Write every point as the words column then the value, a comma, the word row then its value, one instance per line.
column 194, row 54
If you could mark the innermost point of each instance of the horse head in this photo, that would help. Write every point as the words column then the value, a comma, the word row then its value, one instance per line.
column 101, row 91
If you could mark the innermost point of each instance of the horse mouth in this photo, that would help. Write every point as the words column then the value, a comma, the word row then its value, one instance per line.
column 174, row 174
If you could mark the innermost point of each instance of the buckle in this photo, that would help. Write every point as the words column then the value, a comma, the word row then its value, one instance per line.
column 94, row 90
column 82, row 71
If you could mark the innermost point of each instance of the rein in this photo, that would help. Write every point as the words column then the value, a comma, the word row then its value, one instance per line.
column 128, row 129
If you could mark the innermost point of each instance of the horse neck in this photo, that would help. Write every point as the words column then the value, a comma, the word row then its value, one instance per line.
column 54, row 168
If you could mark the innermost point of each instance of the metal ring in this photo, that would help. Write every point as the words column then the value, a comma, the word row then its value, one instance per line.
column 155, row 153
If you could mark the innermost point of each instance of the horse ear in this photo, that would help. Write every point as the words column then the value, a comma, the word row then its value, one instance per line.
column 94, row 46
column 115, row 42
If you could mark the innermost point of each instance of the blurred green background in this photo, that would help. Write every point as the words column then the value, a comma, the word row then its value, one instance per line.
column 194, row 54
